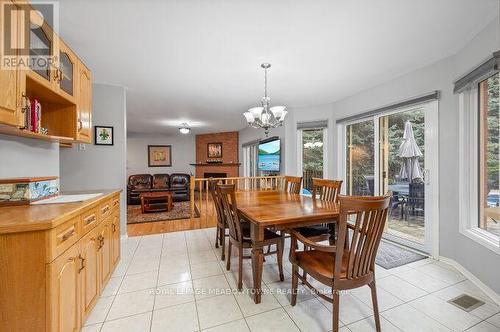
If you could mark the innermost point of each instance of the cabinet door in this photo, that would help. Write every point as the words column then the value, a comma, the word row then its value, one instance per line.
column 64, row 291
column 84, row 105
column 66, row 71
column 10, row 108
column 105, row 251
column 115, row 237
column 90, row 271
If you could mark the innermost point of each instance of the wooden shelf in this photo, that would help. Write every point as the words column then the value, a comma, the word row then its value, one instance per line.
column 8, row 130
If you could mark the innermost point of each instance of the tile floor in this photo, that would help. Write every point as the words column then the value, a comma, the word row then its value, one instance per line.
column 176, row 282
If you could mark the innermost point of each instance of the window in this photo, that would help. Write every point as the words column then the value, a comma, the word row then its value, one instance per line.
column 489, row 122
column 479, row 160
column 360, row 158
column 311, row 151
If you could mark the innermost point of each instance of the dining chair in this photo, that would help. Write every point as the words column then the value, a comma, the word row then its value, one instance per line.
column 325, row 190
column 239, row 233
column 344, row 265
column 292, row 184
column 220, row 234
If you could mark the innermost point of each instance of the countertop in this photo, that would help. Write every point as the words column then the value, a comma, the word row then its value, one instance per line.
column 25, row 218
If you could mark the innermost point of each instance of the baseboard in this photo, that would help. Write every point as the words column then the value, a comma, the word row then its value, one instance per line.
column 487, row 290
column 124, row 236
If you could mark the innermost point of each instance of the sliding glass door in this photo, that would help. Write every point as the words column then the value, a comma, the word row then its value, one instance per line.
column 312, row 155
column 397, row 152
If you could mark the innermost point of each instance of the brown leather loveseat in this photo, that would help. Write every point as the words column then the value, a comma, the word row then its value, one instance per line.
column 177, row 183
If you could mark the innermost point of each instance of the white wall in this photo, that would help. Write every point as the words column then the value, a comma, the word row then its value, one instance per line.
column 183, row 153
column 24, row 157
column 101, row 167
column 438, row 76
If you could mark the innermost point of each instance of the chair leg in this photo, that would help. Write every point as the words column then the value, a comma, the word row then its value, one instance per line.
column 375, row 304
column 240, row 268
column 217, row 234
column 336, row 302
column 304, row 273
column 281, row 248
column 223, row 244
column 295, row 280
column 228, row 264
column 222, row 236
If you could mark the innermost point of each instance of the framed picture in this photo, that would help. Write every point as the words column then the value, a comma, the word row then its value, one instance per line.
column 103, row 135
column 214, row 150
column 159, row 155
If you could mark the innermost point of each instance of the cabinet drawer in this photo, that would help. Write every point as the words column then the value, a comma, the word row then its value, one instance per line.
column 64, row 236
column 115, row 202
column 89, row 220
column 105, row 209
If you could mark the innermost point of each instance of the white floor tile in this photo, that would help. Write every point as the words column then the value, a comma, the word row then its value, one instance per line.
column 136, row 323
column 368, row 325
column 351, row 309
column 174, row 294
column 484, row 327
column 140, row 281
column 100, row 311
column 248, row 306
column 282, row 292
column 172, row 274
column 112, row 287
column 447, row 314
column 407, row 318
column 91, row 328
column 495, row 320
column 177, row 318
column 211, row 286
column 205, row 270
column 423, row 281
column 141, row 265
column 400, row 288
column 385, row 299
column 217, row 310
column 236, row 326
column 442, row 273
column 272, row 321
column 131, row 303
column 270, row 273
column 311, row 315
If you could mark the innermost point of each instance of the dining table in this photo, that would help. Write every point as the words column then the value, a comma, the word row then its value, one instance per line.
column 278, row 210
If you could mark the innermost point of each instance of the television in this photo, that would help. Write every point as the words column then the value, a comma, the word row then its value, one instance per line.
column 270, row 155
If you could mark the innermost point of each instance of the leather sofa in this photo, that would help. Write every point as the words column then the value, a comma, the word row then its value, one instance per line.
column 177, row 183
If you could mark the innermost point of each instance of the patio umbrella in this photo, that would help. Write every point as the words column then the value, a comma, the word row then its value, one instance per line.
column 409, row 152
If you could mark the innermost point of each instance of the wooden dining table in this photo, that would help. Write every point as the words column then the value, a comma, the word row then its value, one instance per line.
column 278, row 210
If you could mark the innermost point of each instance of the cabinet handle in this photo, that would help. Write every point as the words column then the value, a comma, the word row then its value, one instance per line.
column 68, row 234
column 90, row 219
column 82, row 263
column 80, row 124
column 116, row 203
column 113, row 227
column 105, row 209
column 61, row 75
column 102, row 241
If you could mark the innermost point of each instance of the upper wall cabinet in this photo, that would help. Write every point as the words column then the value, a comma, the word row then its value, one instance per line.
column 10, row 109
column 53, row 82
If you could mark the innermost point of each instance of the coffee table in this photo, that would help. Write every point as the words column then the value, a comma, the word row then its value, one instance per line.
column 156, row 201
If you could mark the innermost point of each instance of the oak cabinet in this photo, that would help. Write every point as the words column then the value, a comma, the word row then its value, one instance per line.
column 115, row 237
column 90, row 271
column 10, row 110
column 105, row 251
column 64, row 276
column 66, row 71
column 84, row 105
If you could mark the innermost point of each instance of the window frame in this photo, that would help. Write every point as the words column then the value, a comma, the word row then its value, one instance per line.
column 300, row 170
column 469, row 168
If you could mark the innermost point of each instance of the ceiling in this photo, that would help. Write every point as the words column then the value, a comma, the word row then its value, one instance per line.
column 199, row 61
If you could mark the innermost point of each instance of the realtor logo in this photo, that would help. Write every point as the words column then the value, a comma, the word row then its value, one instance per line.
column 28, row 35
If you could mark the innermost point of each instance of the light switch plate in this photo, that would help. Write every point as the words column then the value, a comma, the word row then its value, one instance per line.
column 81, row 147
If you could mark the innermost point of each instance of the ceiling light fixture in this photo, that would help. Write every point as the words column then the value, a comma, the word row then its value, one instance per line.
column 184, row 128
column 265, row 116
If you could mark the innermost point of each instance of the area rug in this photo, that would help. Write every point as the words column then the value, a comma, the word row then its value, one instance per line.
column 390, row 256
column 181, row 210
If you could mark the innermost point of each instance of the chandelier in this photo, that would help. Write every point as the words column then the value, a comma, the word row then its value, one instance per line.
column 265, row 116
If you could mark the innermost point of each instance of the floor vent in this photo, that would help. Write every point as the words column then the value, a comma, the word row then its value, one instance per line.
column 466, row 302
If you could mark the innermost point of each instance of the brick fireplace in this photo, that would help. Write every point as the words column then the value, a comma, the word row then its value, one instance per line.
column 228, row 165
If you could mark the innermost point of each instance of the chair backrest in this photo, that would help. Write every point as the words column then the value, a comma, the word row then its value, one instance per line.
column 219, row 210
column 326, row 190
column 140, row 181
column 226, row 192
column 292, row 184
column 369, row 215
column 161, row 181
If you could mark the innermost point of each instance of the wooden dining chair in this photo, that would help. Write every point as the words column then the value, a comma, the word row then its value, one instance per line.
column 344, row 266
column 325, row 190
column 239, row 233
column 292, row 184
column 220, row 234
